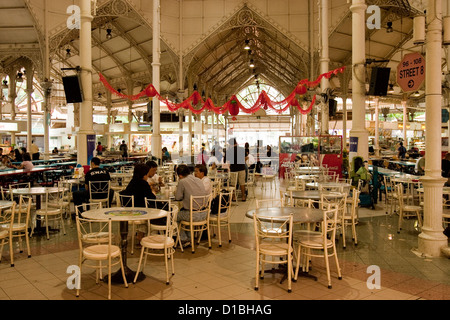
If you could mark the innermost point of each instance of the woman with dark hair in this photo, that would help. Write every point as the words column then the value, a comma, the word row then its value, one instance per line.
column 26, row 163
column 138, row 186
column 17, row 155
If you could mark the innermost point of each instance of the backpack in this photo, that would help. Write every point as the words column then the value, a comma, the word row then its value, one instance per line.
column 215, row 203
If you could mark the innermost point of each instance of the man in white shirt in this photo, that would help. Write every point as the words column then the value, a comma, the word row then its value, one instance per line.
column 201, row 172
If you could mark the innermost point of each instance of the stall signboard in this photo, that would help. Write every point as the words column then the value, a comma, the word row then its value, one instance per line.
column 411, row 72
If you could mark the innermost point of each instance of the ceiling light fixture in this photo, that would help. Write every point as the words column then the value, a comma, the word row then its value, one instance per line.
column 108, row 34
column 68, row 53
column 247, row 45
column 415, row 94
column 5, row 84
column 251, row 64
column 389, row 28
column 19, row 77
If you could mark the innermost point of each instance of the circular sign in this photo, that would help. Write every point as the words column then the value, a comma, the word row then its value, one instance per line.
column 411, row 72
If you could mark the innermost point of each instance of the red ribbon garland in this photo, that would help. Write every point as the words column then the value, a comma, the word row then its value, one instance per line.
column 197, row 105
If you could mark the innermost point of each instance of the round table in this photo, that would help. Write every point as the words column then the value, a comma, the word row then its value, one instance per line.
column 312, row 194
column 300, row 214
column 123, row 215
column 315, row 185
column 38, row 192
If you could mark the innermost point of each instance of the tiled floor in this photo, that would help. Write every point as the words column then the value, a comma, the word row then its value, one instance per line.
column 228, row 273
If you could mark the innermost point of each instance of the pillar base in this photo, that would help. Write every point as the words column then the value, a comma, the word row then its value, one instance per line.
column 432, row 239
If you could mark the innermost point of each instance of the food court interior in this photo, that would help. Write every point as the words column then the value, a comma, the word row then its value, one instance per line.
column 319, row 90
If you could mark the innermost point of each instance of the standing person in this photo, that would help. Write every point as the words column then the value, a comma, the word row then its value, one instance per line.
column 99, row 149
column 217, row 151
column 165, row 154
column 235, row 155
column 34, row 150
column 94, row 174
column 188, row 185
column 124, row 148
column 201, row 172
column 401, row 151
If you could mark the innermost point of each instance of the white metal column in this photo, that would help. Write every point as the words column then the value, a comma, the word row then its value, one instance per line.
column 432, row 239
column 359, row 132
column 156, row 70
column 86, row 107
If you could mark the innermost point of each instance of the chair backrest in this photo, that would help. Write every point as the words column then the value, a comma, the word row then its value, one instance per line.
column 99, row 189
column 355, row 201
column 23, row 211
column 5, row 193
column 200, row 204
column 91, row 232
column 18, row 186
column 267, row 203
column 399, row 190
column 329, row 224
column 273, row 229
column 87, row 206
column 324, row 187
column 126, row 200
column 171, row 221
column 251, row 176
column 163, row 204
column 224, row 203
column 330, row 200
column 53, row 199
column 232, row 181
column 7, row 220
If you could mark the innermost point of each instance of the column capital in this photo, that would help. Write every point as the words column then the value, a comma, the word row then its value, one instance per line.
column 358, row 5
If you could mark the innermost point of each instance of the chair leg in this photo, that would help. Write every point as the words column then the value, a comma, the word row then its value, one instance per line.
column 229, row 231
column 219, row 232
column 27, row 240
column 400, row 218
column 192, row 240
column 133, row 234
column 166, row 263
column 257, row 272
column 327, row 266
column 337, row 263
column 11, row 251
column 139, row 265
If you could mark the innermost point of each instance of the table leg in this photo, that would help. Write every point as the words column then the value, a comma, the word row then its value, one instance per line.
column 129, row 274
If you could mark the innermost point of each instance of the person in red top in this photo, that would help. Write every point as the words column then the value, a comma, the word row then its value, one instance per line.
column 99, row 148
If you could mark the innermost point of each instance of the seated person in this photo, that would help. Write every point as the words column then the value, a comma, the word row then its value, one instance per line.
column 201, row 172
column 213, row 159
column 94, row 174
column 138, row 186
column 17, row 156
column 26, row 163
column 420, row 166
column 55, row 151
column 6, row 162
column 153, row 179
column 187, row 185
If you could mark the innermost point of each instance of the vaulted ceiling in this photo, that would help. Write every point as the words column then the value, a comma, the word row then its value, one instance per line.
column 201, row 43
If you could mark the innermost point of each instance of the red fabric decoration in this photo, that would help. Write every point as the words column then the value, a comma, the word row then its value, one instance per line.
column 196, row 104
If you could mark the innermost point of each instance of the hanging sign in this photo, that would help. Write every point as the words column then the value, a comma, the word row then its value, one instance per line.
column 411, row 72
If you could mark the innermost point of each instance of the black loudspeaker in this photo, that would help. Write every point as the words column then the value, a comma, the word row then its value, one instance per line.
column 332, row 107
column 379, row 81
column 72, row 89
column 148, row 115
